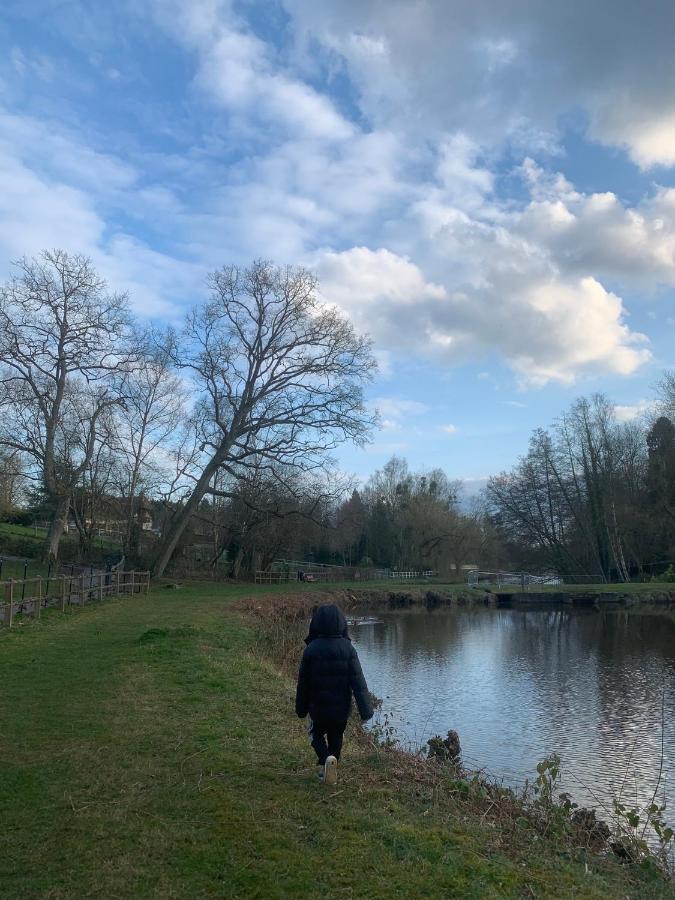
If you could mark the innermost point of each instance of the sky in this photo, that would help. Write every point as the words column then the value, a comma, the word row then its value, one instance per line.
column 486, row 188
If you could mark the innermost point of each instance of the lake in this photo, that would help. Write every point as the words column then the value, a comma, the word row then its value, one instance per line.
column 596, row 687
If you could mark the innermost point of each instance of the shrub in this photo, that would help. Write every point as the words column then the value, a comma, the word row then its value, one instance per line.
column 668, row 575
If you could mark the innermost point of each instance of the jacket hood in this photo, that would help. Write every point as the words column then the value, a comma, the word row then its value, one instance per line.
column 327, row 621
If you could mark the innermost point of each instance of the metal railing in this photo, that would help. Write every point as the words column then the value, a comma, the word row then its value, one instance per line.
column 520, row 579
column 337, row 573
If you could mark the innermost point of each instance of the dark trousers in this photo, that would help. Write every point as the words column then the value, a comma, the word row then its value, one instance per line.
column 326, row 738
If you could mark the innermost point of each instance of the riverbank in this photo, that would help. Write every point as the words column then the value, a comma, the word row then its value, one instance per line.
column 150, row 750
column 292, row 602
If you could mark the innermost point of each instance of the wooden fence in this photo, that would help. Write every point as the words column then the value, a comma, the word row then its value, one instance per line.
column 32, row 595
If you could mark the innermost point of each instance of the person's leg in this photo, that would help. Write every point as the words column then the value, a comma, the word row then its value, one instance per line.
column 335, row 733
column 317, row 735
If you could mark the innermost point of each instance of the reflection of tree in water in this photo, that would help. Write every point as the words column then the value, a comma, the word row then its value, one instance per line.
column 599, row 677
column 408, row 632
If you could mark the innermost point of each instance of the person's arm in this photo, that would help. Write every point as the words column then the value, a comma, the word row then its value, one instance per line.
column 302, row 692
column 359, row 687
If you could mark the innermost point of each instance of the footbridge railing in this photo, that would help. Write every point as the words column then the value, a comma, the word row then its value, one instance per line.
column 518, row 579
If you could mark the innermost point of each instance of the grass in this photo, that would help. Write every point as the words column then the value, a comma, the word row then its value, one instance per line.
column 36, row 535
column 15, row 568
column 24, row 531
column 148, row 752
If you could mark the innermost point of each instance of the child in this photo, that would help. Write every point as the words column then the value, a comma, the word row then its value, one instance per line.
column 329, row 672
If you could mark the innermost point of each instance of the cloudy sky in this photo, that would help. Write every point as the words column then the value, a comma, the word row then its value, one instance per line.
column 487, row 188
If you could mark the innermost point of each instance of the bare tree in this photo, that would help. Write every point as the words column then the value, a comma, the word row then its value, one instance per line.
column 666, row 394
column 93, row 502
column 534, row 504
column 279, row 380
column 588, row 437
column 582, row 500
column 61, row 336
column 154, row 404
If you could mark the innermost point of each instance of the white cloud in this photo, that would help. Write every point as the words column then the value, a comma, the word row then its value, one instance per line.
column 397, row 408
column 58, row 192
column 382, row 292
column 574, row 327
column 449, row 429
column 386, row 448
column 628, row 412
column 390, row 425
column 397, row 414
column 596, row 233
column 49, row 146
column 36, row 212
column 238, row 70
column 648, row 135
column 548, row 328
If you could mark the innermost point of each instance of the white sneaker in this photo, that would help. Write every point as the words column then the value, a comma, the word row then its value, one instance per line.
column 330, row 771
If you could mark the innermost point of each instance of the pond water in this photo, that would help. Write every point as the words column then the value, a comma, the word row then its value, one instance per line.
column 596, row 687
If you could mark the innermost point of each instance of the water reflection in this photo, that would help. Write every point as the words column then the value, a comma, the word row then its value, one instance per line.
column 519, row 684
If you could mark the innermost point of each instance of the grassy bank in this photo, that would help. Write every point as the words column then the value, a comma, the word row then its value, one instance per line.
column 148, row 751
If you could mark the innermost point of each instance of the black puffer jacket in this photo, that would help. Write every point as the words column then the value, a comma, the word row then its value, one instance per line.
column 330, row 671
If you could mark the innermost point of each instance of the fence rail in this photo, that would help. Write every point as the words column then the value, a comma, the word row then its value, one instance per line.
column 32, row 595
column 521, row 579
column 20, row 568
column 336, row 573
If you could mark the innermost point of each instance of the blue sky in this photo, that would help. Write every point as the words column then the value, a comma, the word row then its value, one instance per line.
column 488, row 189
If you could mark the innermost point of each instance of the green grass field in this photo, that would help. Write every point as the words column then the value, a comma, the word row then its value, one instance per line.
column 27, row 531
column 146, row 751
column 37, row 535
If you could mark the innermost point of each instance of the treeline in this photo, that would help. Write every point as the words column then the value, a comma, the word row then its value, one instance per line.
column 398, row 520
column 594, row 498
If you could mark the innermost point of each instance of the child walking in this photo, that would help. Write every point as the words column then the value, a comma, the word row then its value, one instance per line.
column 330, row 672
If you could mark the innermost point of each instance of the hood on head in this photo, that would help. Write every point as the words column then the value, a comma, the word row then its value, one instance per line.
column 327, row 621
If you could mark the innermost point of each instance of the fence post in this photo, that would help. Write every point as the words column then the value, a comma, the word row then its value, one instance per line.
column 147, row 583
column 63, row 594
column 10, row 609
column 118, row 582
column 82, row 600
column 133, row 588
column 37, row 603
column 100, row 588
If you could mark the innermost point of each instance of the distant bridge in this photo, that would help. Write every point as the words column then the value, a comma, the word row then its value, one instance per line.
column 520, row 579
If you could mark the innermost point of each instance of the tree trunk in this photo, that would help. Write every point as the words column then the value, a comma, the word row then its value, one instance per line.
column 56, row 528
column 182, row 516
column 237, row 562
